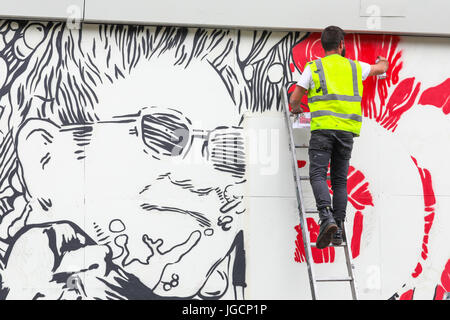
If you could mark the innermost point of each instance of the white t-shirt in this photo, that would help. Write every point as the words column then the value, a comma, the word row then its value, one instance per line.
column 305, row 79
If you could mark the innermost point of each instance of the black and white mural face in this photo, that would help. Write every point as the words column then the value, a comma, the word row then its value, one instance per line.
column 123, row 158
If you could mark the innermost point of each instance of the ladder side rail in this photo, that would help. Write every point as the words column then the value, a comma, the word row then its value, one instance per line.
column 301, row 210
column 350, row 266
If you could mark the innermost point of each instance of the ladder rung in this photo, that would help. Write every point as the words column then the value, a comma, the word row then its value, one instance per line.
column 334, row 279
column 311, row 211
column 303, row 178
column 313, row 244
column 302, row 146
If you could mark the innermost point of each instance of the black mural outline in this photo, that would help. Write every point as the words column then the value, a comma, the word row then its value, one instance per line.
column 200, row 217
column 216, row 146
column 69, row 103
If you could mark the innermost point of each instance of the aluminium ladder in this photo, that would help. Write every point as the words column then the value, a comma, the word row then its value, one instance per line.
column 301, row 210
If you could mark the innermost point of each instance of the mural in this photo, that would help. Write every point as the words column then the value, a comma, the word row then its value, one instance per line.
column 386, row 102
column 124, row 160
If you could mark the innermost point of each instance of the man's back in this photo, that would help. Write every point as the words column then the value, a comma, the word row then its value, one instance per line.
column 334, row 88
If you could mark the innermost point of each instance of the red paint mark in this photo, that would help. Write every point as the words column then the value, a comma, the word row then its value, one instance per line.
column 292, row 67
column 301, row 163
column 325, row 255
column 367, row 48
column 401, row 100
column 357, row 232
column 429, row 202
column 427, row 186
column 444, row 286
column 417, row 270
column 358, row 193
column 428, row 223
column 408, row 295
column 307, row 50
column 438, row 96
column 357, row 188
column 360, row 197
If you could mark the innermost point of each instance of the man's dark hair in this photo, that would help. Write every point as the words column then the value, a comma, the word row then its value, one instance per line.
column 332, row 37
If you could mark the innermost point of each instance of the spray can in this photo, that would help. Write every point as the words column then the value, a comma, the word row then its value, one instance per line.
column 381, row 76
column 302, row 120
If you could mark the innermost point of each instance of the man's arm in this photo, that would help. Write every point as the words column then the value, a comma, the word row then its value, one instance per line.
column 296, row 99
column 380, row 67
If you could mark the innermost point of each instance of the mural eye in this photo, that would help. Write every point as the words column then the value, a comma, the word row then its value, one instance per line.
column 226, row 151
column 165, row 134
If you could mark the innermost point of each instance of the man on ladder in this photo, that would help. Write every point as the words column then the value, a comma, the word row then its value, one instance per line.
column 334, row 88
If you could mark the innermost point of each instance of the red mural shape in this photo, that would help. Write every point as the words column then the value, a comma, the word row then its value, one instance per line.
column 355, row 245
column 367, row 48
column 438, row 96
column 429, row 199
column 444, row 286
column 408, row 295
column 429, row 202
column 326, row 255
column 301, row 163
column 358, row 193
column 307, row 50
column 401, row 100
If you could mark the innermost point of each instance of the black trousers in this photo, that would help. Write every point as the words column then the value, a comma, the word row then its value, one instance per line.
column 330, row 148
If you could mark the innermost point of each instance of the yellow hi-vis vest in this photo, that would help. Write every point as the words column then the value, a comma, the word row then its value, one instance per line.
column 335, row 102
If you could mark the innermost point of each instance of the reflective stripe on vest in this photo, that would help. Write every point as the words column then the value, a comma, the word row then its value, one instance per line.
column 355, row 78
column 321, row 113
column 323, row 83
column 339, row 97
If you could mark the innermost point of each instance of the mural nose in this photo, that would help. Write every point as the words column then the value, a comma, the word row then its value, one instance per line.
column 233, row 198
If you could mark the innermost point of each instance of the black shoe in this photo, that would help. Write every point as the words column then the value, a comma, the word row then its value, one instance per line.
column 338, row 237
column 328, row 227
